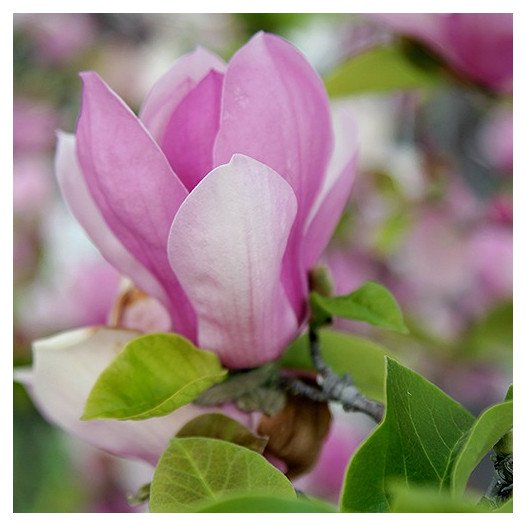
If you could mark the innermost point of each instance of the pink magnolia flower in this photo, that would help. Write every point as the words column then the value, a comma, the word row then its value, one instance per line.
column 216, row 202
column 480, row 45
column 220, row 197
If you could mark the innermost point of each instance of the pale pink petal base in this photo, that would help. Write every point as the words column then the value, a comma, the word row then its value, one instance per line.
column 226, row 246
column 65, row 368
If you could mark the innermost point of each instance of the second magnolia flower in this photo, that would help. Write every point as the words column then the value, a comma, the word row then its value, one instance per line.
column 221, row 196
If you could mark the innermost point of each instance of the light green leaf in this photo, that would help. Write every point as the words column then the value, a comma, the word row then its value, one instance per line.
column 507, row 507
column 415, row 499
column 217, row 425
column 371, row 303
column 257, row 504
column 153, row 375
column 384, row 68
column 193, row 472
column 345, row 353
column 489, row 427
column 417, row 442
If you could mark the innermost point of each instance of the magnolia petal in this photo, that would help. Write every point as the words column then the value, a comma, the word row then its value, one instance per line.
column 132, row 185
column 334, row 193
column 174, row 85
column 275, row 109
column 78, row 198
column 481, row 45
column 189, row 136
column 226, row 246
column 65, row 368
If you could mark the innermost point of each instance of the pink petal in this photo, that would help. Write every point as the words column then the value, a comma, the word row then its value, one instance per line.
column 481, row 45
column 79, row 200
column 334, row 194
column 65, row 368
column 189, row 137
column 174, row 85
column 275, row 110
column 133, row 186
column 226, row 247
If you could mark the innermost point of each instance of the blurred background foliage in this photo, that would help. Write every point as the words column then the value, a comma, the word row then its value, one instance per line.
column 430, row 215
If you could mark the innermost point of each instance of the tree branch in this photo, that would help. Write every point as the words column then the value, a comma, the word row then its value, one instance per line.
column 501, row 487
column 333, row 387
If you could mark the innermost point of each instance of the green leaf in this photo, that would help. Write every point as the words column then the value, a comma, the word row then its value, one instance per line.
column 257, row 504
column 384, row 68
column 507, row 507
column 417, row 442
column 489, row 427
column 195, row 471
column 371, row 303
column 415, row 499
column 217, row 425
column 509, row 394
column 153, row 375
column 345, row 353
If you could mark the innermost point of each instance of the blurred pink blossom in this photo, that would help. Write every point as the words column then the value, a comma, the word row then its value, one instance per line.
column 479, row 45
column 83, row 296
column 326, row 479
column 58, row 37
column 32, row 187
column 491, row 253
column 34, row 124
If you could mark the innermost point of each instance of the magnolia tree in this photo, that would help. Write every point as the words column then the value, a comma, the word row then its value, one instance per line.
column 218, row 365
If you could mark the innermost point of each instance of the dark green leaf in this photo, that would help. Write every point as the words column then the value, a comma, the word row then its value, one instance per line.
column 371, row 303
column 509, row 394
column 256, row 504
column 489, row 427
column 193, row 472
column 417, row 442
column 153, row 375
column 415, row 499
column 345, row 353
column 378, row 69
column 217, row 425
